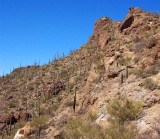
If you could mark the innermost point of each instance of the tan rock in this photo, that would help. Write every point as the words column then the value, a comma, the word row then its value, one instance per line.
column 25, row 131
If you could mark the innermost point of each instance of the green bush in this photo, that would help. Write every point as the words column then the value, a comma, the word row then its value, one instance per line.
column 64, row 74
column 77, row 128
column 149, row 84
column 143, row 73
column 139, row 72
column 40, row 122
column 30, row 87
column 92, row 115
column 54, row 107
column 59, row 98
column 121, row 112
column 11, row 104
column 125, row 110
column 124, row 61
column 117, row 131
column 69, row 103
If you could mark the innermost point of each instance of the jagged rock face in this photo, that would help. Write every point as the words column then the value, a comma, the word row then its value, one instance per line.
column 53, row 88
column 127, row 23
column 138, row 21
column 102, row 24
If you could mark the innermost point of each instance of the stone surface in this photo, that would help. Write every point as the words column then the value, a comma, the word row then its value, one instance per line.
column 54, row 87
column 21, row 116
column 127, row 23
column 8, row 118
column 23, row 132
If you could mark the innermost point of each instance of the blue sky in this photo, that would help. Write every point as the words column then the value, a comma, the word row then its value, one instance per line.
column 35, row 30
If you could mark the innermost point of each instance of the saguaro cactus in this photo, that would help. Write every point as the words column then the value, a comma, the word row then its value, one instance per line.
column 39, row 108
column 117, row 63
column 126, row 72
column 121, row 82
column 74, row 103
column 10, row 124
column 26, row 105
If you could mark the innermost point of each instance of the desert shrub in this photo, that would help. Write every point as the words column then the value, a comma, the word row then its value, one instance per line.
column 138, row 47
column 124, row 61
column 76, row 128
column 39, row 123
column 12, row 89
column 98, row 59
column 64, row 74
column 20, row 124
column 11, row 104
column 69, row 103
column 121, row 112
column 149, row 33
column 152, row 70
column 125, row 110
column 90, row 49
column 149, row 84
column 100, row 66
column 54, row 107
column 43, row 110
column 30, row 87
column 117, row 47
column 37, row 83
column 129, row 45
column 92, row 115
column 139, row 72
column 143, row 73
column 117, row 131
column 59, row 98
column 23, row 98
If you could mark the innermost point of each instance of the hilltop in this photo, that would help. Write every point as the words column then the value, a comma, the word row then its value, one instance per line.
column 115, row 73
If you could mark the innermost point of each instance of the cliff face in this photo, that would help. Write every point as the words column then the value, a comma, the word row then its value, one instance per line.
column 130, row 49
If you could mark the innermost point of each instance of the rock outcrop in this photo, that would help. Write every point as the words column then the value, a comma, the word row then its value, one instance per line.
column 23, row 132
column 53, row 88
column 8, row 118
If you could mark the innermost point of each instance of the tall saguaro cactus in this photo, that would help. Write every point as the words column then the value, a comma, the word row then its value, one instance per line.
column 121, row 81
column 74, row 103
column 10, row 124
column 26, row 105
column 126, row 72
column 39, row 108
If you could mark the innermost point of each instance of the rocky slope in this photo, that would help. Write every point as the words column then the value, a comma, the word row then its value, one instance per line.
column 121, row 60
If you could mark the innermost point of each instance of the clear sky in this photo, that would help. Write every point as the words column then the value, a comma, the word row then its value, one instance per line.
column 35, row 30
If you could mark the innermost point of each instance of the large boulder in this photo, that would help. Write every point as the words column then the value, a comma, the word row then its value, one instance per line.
column 8, row 118
column 23, row 132
column 21, row 116
column 54, row 87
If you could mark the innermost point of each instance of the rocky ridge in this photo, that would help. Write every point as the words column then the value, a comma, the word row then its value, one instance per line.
column 121, row 59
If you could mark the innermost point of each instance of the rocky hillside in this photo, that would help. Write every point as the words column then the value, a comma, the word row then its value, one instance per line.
column 109, row 88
